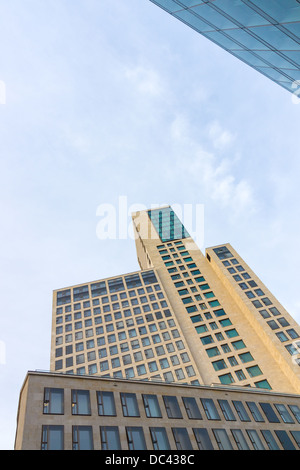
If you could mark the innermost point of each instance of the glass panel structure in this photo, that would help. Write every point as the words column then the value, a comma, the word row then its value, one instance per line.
column 167, row 224
column 262, row 33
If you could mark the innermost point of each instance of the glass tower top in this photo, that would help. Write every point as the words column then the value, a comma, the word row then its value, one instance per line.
column 265, row 34
column 167, row 224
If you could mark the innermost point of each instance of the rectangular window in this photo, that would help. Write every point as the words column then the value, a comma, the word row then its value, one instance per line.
column 159, row 439
column 271, row 443
column 240, row 439
column 210, row 409
column 106, row 404
column 222, row 439
column 81, row 402
column 172, row 407
column 227, row 411
column 82, row 438
column 53, row 401
column 241, row 411
column 284, row 414
column 191, row 407
column 135, row 438
column 129, row 404
column 203, row 439
column 151, row 405
column 182, row 439
column 116, row 285
column 269, row 412
column 255, row 411
column 295, row 409
column 52, row 438
column 255, row 440
column 110, row 438
column 285, row 440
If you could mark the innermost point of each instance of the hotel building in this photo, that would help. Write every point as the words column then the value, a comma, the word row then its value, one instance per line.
column 188, row 325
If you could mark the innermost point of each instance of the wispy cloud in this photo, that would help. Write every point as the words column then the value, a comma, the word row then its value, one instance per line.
column 211, row 170
column 145, row 79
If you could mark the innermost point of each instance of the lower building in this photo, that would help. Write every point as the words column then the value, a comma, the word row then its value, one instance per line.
column 74, row 412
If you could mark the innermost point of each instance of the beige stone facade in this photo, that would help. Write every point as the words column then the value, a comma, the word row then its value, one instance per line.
column 188, row 325
column 247, row 344
column 58, row 411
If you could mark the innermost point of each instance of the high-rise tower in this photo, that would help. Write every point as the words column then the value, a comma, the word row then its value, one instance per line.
column 185, row 317
column 191, row 352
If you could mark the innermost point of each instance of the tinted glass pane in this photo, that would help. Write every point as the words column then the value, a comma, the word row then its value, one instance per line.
column 159, row 439
column 203, row 439
column 182, row 439
column 275, row 38
column 280, row 10
column 240, row 12
column 285, row 440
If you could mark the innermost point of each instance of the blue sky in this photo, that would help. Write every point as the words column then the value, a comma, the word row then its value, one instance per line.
column 109, row 99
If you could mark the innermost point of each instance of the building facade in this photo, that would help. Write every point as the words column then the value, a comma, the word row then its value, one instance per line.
column 185, row 317
column 262, row 33
column 66, row 412
column 190, row 325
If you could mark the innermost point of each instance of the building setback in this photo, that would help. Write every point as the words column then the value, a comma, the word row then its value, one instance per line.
column 262, row 33
column 187, row 324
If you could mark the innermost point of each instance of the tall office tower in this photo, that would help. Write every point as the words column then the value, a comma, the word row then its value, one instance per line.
column 264, row 34
column 191, row 352
column 185, row 317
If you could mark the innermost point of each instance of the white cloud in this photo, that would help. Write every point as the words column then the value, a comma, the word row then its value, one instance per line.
column 213, row 173
column 145, row 79
column 220, row 137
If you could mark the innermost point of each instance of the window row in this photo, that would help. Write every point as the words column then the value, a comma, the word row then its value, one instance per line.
column 262, row 302
column 100, row 288
column 219, row 409
column 249, row 439
column 151, row 291
column 93, row 330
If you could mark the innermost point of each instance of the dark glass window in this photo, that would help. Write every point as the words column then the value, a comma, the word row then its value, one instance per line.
column 53, row 401
column 116, row 285
column 227, row 411
column 172, row 407
column 110, row 438
column 159, row 439
column 133, row 280
column 135, row 438
column 269, row 412
column 52, row 437
column 223, row 252
column 82, row 438
column 80, row 293
column 222, row 439
column 240, row 439
column 106, row 404
column 63, row 297
column 271, row 443
column 152, row 407
column 129, row 404
column 255, row 411
column 191, row 407
column 81, row 402
column 210, row 409
column 285, row 440
column 99, row 288
column 182, row 439
column 203, row 439
column 241, row 411
column 149, row 277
